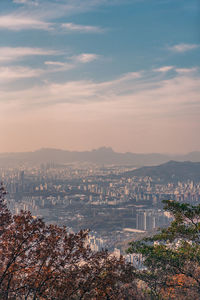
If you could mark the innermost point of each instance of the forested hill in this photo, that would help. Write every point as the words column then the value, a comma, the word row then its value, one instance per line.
column 171, row 171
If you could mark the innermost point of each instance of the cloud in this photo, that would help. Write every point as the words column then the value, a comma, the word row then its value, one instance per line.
column 133, row 88
column 82, row 28
column 164, row 69
column 9, row 54
column 54, row 9
column 181, row 48
column 29, row 2
column 186, row 70
column 85, row 57
column 55, row 63
column 20, row 1
column 19, row 22
column 41, row 14
column 37, row 14
column 14, row 53
column 75, row 61
column 32, row 2
column 134, row 95
column 8, row 74
column 58, row 66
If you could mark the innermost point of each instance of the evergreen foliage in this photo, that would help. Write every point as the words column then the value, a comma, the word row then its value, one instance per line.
column 172, row 257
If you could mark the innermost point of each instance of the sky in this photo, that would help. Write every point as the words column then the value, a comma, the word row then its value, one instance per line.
column 82, row 74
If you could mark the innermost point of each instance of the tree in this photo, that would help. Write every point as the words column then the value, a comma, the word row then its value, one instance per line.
column 172, row 257
column 40, row 261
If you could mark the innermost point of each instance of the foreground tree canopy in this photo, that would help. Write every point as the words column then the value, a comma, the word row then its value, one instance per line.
column 172, row 257
column 40, row 261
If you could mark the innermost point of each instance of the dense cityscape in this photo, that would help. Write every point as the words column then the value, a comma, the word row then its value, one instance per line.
column 116, row 208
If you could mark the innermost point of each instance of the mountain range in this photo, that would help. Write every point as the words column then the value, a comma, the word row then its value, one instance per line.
column 102, row 155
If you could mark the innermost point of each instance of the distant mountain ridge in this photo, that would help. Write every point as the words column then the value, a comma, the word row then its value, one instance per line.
column 102, row 155
column 171, row 171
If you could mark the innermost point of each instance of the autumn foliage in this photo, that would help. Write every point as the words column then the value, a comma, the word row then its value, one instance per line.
column 40, row 261
column 180, row 287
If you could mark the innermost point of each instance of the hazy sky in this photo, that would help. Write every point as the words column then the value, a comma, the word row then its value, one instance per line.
column 80, row 74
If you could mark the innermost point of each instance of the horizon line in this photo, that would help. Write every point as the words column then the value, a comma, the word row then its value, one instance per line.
column 99, row 148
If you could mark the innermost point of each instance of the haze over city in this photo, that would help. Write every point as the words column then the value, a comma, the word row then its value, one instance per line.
column 79, row 75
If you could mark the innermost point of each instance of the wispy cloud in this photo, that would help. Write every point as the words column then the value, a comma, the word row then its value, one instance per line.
column 8, row 74
column 164, row 69
column 9, row 55
column 54, row 9
column 85, row 57
column 58, row 66
column 32, row 2
column 82, row 28
column 133, row 87
column 73, row 62
column 14, row 53
column 55, row 63
column 41, row 15
column 129, row 96
column 185, row 71
column 180, row 48
column 20, row 22
column 20, row 1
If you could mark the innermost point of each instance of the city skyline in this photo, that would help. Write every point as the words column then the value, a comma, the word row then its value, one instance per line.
column 79, row 75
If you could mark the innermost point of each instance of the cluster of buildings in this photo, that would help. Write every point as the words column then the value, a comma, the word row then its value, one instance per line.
column 97, row 244
column 103, row 199
column 95, row 185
